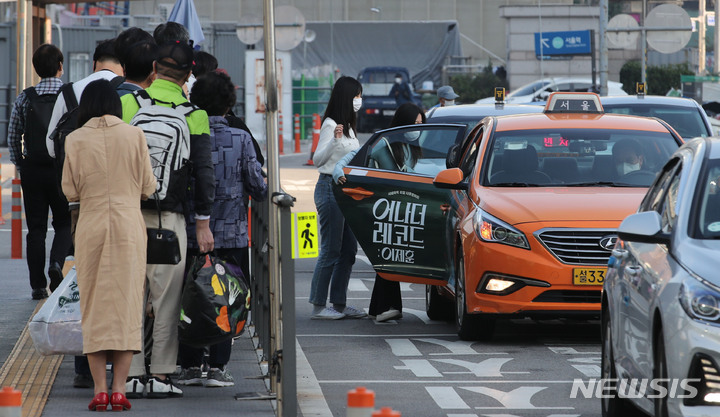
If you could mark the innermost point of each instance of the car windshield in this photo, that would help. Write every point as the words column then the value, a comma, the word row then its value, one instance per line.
column 687, row 121
column 378, row 83
column 576, row 157
column 708, row 203
column 529, row 89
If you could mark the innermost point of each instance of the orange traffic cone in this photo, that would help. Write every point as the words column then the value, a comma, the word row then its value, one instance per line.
column 386, row 412
column 360, row 402
column 315, row 137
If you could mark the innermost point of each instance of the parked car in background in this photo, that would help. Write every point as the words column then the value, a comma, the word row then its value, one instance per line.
column 685, row 115
column 378, row 107
column 661, row 299
column 538, row 91
column 521, row 225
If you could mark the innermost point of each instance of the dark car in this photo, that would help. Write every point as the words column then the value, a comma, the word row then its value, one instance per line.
column 685, row 115
column 378, row 107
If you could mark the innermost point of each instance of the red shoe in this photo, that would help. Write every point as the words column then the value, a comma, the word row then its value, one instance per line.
column 119, row 402
column 99, row 402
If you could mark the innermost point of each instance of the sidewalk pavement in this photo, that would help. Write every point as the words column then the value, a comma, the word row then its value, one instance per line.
column 64, row 400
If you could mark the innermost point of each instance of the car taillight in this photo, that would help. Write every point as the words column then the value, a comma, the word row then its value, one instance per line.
column 372, row 111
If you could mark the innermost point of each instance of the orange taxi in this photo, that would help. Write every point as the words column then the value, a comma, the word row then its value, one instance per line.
column 528, row 217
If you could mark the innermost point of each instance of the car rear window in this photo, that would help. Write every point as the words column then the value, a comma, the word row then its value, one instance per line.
column 687, row 121
column 576, row 157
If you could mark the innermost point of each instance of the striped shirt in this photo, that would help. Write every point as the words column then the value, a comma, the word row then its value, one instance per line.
column 16, row 126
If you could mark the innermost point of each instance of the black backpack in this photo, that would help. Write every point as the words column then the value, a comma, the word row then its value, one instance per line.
column 37, row 118
column 68, row 122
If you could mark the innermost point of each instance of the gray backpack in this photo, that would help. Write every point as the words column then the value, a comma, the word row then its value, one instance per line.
column 167, row 134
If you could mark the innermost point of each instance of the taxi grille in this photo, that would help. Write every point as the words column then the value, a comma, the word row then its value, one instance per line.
column 568, row 296
column 578, row 247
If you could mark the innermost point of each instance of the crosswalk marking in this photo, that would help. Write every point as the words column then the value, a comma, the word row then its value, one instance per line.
column 446, row 398
column 588, row 370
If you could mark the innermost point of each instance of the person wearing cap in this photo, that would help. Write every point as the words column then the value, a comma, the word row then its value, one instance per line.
column 446, row 96
column 164, row 282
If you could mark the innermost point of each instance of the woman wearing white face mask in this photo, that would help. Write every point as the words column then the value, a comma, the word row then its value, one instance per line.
column 338, row 246
column 386, row 301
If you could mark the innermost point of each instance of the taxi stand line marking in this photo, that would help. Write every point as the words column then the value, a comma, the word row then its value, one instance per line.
column 26, row 370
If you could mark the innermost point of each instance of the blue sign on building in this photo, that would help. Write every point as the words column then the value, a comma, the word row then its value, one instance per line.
column 578, row 42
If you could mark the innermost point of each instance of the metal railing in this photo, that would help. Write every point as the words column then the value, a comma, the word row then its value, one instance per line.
column 281, row 362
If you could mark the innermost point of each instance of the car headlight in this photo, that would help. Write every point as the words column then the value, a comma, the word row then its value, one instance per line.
column 700, row 301
column 491, row 229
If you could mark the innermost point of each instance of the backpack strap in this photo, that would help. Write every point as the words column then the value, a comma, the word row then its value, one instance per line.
column 69, row 95
column 142, row 98
column 30, row 93
column 115, row 82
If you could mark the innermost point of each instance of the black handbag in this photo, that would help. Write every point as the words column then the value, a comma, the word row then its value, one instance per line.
column 163, row 246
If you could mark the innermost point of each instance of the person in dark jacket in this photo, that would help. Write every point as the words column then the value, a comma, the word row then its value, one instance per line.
column 237, row 176
column 400, row 91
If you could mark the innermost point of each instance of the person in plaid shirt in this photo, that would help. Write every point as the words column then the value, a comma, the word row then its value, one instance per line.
column 39, row 177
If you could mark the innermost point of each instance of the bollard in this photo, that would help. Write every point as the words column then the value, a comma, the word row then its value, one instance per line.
column 280, row 134
column 385, row 412
column 297, row 133
column 10, row 402
column 16, row 222
column 2, row 219
column 315, row 137
column 360, row 402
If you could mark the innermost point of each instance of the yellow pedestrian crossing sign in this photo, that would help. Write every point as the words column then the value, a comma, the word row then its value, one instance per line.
column 305, row 235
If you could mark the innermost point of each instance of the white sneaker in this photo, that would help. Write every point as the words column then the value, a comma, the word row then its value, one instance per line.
column 353, row 313
column 327, row 313
column 158, row 388
column 389, row 315
column 134, row 387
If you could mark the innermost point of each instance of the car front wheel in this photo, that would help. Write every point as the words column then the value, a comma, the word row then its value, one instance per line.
column 660, row 372
column 469, row 326
column 612, row 405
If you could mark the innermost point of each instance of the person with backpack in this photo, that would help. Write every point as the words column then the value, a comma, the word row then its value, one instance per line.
column 178, row 136
column 106, row 65
column 238, row 174
column 27, row 129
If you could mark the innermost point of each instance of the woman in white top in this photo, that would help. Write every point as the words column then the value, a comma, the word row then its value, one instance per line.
column 338, row 245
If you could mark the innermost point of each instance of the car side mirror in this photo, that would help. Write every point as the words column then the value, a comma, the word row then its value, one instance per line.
column 451, row 160
column 645, row 227
column 451, row 178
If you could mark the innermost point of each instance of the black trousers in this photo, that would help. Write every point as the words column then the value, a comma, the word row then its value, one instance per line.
column 189, row 356
column 385, row 295
column 40, row 193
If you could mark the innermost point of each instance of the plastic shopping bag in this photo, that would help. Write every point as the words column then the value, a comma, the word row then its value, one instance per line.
column 55, row 328
column 215, row 302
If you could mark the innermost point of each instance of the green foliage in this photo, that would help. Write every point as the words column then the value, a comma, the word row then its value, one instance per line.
column 472, row 87
column 659, row 79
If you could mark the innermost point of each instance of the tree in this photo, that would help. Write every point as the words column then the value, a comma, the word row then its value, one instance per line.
column 472, row 87
column 659, row 79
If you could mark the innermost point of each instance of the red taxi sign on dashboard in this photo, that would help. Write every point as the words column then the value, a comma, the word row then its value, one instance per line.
column 573, row 103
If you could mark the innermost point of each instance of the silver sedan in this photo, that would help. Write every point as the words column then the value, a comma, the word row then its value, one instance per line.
column 661, row 297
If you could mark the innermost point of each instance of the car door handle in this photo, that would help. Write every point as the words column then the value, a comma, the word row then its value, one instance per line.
column 619, row 253
column 633, row 271
column 358, row 193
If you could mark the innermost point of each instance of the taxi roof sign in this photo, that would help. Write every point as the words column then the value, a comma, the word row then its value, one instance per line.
column 576, row 102
column 499, row 94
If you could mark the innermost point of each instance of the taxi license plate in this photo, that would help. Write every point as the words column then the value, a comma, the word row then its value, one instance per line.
column 588, row 276
column 388, row 112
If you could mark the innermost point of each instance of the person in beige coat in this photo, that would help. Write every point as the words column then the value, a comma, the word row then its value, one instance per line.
column 107, row 170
